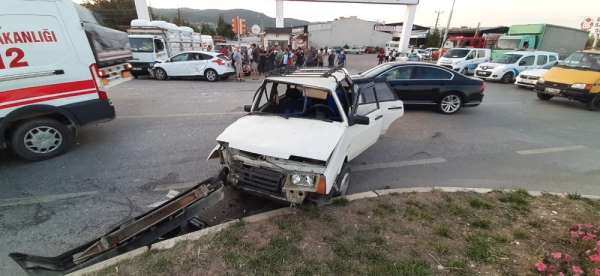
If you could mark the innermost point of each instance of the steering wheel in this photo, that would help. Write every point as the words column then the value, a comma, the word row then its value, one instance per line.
column 322, row 107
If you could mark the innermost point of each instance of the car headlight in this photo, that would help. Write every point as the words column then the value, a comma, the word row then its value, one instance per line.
column 582, row 86
column 303, row 180
column 541, row 80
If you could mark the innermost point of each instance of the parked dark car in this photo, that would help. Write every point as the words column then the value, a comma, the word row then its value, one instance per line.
column 426, row 84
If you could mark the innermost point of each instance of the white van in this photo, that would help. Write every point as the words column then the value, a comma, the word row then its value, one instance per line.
column 509, row 65
column 465, row 60
column 50, row 79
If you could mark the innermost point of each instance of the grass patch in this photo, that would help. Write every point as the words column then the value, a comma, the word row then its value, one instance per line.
column 442, row 231
column 574, row 196
column 519, row 234
column 500, row 233
column 340, row 201
column 518, row 200
column 479, row 204
column 479, row 248
column 481, row 223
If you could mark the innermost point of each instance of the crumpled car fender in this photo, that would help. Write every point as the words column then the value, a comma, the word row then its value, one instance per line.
column 214, row 153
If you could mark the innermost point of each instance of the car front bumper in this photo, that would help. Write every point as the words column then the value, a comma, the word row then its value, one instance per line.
column 531, row 83
column 487, row 75
column 565, row 91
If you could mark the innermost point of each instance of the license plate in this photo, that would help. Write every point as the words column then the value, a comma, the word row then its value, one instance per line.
column 552, row 90
column 527, row 81
column 485, row 74
column 137, row 69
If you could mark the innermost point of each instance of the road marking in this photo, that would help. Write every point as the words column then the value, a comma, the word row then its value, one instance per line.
column 182, row 115
column 391, row 165
column 549, row 150
column 42, row 199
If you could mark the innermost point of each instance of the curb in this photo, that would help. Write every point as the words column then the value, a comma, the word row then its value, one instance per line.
column 170, row 243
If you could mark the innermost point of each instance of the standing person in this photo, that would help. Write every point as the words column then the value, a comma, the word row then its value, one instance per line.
column 381, row 56
column 238, row 59
column 254, row 59
column 299, row 58
column 320, row 58
column 331, row 59
column 280, row 58
column 262, row 60
column 341, row 59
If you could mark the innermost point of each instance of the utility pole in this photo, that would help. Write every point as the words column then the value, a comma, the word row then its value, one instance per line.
column 437, row 19
column 448, row 25
column 435, row 29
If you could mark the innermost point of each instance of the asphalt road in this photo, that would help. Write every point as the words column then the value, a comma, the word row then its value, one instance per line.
column 164, row 131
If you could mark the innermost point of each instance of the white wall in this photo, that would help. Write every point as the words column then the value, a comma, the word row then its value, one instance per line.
column 350, row 31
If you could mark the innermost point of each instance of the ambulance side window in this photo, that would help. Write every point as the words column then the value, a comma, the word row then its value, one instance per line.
column 159, row 45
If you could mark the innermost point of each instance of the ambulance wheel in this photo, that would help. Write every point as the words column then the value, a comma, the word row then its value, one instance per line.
column 41, row 139
column 161, row 74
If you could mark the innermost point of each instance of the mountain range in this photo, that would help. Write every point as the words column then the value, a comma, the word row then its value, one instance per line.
column 211, row 16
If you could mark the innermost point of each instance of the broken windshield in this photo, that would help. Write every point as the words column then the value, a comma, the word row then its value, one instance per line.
column 294, row 100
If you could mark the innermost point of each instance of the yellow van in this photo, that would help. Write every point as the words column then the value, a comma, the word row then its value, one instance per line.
column 576, row 78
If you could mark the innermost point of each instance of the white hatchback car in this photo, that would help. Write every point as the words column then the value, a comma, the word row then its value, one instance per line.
column 301, row 132
column 529, row 78
column 210, row 65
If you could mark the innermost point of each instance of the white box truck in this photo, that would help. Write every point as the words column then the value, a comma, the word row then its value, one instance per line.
column 154, row 41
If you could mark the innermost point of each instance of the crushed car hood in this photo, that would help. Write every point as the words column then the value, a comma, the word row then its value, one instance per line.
column 281, row 138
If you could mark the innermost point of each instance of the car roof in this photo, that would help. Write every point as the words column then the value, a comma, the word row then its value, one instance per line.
column 200, row 52
column 533, row 52
column 327, row 83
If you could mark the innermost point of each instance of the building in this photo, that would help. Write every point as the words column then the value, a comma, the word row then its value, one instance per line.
column 352, row 31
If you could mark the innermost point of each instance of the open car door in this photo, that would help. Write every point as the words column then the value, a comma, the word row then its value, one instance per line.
column 364, row 136
column 390, row 105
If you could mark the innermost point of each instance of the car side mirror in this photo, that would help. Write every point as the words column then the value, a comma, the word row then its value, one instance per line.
column 360, row 120
column 247, row 108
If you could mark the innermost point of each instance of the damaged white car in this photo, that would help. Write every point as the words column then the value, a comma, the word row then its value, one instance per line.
column 301, row 131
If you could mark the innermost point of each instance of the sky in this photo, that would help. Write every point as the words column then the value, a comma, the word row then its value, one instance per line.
column 466, row 13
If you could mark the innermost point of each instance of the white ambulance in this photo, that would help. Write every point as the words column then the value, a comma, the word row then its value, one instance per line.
column 54, row 69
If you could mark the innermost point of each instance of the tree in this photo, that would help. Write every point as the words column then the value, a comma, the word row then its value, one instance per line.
column 116, row 14
column 179, row 20
column 434, row 39
column 223, row 28
column 207, row 29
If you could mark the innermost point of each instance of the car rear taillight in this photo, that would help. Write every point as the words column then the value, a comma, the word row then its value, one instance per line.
column 482, row 88
column 98, row 82
column 102, row 96
column 218, row 61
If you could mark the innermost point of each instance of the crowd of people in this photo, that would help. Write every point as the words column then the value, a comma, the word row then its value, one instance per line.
column 260, row 60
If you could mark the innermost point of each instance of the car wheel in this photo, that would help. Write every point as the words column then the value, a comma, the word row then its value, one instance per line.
column 544, row 96
column 450, row 104
column 343, row 181
column 211, row 75
column 594, row 104
column 41, row 139
column 161, row 74
column 508, row 78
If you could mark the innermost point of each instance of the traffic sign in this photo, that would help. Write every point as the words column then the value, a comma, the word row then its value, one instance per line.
column 255, row 29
